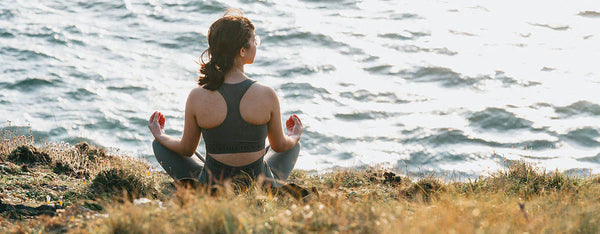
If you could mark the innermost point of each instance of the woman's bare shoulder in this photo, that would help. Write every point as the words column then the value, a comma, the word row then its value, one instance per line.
column 200, row 95
column 263, row 90
column 199, row 91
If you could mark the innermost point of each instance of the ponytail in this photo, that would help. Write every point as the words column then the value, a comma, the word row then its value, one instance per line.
column 213, row 75
column 226, row 37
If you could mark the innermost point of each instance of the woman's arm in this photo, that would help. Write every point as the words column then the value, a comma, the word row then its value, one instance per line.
column 191, row 131
column 280, row 142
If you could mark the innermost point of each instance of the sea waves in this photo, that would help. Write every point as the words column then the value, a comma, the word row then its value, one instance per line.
column 417, row 86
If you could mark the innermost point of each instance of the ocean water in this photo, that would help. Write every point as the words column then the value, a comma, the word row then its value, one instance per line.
column 457, row 87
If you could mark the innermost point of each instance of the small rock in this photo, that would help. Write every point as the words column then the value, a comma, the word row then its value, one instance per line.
column 141, row 201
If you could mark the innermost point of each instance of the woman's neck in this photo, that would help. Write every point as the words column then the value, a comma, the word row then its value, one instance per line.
column 235, row 75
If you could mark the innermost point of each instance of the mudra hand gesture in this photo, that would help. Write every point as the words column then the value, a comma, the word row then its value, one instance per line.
column 156, row 123
column 294, row 126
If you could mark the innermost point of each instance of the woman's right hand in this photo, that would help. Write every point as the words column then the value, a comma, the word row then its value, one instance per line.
column 156, row 123
column 294, row 127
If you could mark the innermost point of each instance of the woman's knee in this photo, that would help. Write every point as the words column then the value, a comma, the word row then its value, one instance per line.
column 156, row 146
column 160, row 151
column 296, row 148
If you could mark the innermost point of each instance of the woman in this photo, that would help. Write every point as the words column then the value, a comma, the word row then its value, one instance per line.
column 233, row 113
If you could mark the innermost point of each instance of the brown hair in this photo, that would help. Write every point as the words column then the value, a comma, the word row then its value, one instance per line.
column 226, row 37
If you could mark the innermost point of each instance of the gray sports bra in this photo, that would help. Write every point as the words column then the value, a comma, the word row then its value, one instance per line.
column 234, row 135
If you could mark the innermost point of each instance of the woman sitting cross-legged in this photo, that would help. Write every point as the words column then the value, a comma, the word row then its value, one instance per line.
column 233, row 113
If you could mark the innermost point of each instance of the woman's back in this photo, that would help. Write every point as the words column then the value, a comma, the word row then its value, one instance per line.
column 231, row 138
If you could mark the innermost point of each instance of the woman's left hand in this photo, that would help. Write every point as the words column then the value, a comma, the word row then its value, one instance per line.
column 156, row 123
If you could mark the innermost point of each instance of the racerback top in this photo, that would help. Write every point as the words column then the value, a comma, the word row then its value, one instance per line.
column 234, row 134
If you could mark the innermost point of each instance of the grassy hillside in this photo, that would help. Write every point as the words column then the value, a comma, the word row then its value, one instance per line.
column 64, row 188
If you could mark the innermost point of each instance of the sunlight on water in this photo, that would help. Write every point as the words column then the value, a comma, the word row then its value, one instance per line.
column 441, row 86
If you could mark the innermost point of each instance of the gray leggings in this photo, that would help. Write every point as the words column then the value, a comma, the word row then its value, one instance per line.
column 274, row 166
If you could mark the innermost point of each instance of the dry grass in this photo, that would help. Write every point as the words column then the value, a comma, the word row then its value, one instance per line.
column 520, row 198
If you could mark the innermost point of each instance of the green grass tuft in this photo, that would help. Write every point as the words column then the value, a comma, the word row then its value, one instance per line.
column 115, row 181
column 29, row 155
column 425, row 189
column 91, row 152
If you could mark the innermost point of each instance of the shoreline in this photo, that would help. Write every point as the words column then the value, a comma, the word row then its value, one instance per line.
column 412, row 171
